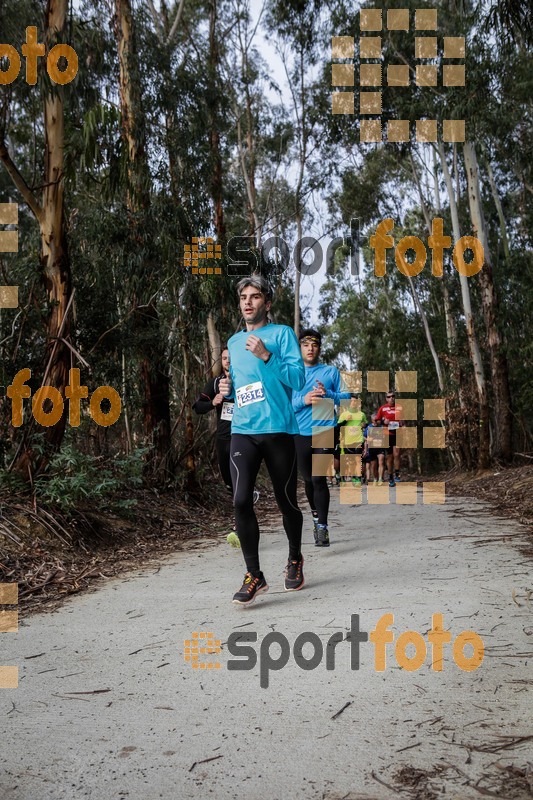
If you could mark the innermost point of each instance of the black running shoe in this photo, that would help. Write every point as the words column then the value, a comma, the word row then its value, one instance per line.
column 315, row 524
column 252, row 586
column 322, row 536
column 294, row 576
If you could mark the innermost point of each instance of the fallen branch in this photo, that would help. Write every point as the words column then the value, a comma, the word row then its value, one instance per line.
column 383, row 783
column 204, row 761
column 345, row 706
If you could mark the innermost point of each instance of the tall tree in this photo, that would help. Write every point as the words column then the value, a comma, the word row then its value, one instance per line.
column 297, row 27
column 153, row 369
column 503, row 448
column 49, row 211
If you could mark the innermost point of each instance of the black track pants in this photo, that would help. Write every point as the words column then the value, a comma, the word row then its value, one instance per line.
column 278, row 452
column 316, row 486
column 223, row 451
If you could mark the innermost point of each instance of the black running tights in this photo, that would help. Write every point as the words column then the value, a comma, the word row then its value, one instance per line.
column 223, row 451
column 278, row 452
column 316, row 486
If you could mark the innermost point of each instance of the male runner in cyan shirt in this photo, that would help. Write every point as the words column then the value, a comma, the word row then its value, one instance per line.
column 266, row 366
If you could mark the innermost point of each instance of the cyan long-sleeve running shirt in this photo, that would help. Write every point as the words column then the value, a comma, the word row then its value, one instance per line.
column 324, row 412
column 263, row 391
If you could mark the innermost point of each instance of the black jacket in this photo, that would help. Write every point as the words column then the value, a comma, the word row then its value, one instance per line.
column 204, row 403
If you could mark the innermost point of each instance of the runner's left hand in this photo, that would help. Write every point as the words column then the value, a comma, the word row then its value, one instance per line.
column 255, row 345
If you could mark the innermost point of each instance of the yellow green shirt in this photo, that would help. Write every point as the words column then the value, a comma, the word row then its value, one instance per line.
column 352, row 432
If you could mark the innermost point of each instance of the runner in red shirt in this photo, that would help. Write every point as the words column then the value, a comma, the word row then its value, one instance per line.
column 390, row 413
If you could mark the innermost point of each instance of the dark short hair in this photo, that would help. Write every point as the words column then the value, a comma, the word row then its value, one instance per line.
column 311, row 334
column 258, row 282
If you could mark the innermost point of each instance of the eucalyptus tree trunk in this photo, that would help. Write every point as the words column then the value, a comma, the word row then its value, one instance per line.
column 499, row 209
column 214, row 122
column 473, row 345
column 153, row 368
column 54, row 259
column 215, row 348
column 302, row 147
column 451, row 332
column 414, row 293
column 503, row 438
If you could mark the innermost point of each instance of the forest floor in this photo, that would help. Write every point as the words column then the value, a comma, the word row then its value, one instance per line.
column 52, row 556
column 108, row 706
column 508, row 490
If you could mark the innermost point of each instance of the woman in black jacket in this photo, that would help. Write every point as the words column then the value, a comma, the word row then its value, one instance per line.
column 209, row 399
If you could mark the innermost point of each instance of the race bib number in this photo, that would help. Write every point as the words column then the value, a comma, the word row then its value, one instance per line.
column 375, row 439
column 227, row 411
column 393, row 426
column 253, row 393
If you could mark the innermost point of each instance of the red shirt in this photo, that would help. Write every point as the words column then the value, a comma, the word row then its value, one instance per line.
column 390, row 414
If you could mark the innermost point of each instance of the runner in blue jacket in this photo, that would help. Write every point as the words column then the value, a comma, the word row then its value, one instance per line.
column 321, row 381
column 266, row 367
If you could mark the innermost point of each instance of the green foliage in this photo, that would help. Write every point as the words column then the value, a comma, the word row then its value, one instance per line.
column 74, row 479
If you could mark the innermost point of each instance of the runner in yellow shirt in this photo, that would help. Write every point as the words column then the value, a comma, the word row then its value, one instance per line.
column 351, row 423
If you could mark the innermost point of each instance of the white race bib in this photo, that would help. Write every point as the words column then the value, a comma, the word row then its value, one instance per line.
column 227, row 411
column 252, row 393
column 393, row 426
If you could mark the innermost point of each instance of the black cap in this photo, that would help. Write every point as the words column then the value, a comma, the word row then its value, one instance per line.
column 310, row 333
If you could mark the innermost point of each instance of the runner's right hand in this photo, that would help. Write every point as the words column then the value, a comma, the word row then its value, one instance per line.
column 225, row 386
column 313, row 397
column 218, row 399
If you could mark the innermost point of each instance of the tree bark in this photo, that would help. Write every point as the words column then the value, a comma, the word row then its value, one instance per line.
column 190, row 463
column 153, row 368
column 215, row 349
column 499, row 209
column 503, row 440
column 214, row 134
column 475, row 352
column 53, row 257
column 451, row 332
column 414, row 293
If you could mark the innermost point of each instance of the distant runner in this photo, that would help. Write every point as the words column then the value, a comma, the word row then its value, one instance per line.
column 211, row 398
column 351, row 422
column 374, row 451
column 266, row 366
column 390, row 413
column 321, row 381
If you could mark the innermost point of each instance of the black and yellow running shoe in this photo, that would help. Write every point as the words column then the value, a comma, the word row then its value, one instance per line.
column 251, row 587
